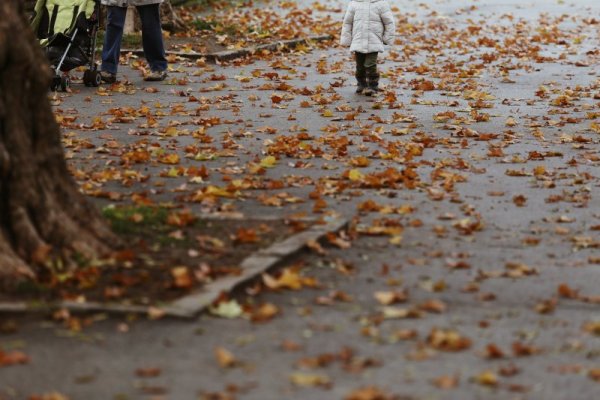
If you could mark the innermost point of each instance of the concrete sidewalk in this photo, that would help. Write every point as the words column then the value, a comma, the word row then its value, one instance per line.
column 499, row 242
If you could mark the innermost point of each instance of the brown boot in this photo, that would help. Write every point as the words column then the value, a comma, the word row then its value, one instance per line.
column 373, row 82
column 361, row 84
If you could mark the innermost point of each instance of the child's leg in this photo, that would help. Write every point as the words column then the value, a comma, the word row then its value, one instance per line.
column 371, row 71
column 361, row 73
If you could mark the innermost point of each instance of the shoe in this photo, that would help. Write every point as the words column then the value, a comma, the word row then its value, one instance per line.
column 156, row 76
column 108, row 77
column 361, row 84
column 371, row 91
column 373, row 82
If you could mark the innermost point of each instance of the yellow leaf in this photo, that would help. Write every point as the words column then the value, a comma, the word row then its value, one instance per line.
column 227, row 309
column 304, row 379
column 288, row 280
column 487, row 378
column 395, row 313
column 355, row 175
column 268, row 162
column 169, row 159
column 396, row 240
column 390, row 297
column 360, row 162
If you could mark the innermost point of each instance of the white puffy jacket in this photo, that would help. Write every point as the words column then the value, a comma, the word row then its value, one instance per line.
column 368, row 26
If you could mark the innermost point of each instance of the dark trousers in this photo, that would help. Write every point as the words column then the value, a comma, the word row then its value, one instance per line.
column 152, row 39
column 366, row 66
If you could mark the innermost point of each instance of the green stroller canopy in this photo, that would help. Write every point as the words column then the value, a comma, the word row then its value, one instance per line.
column 62, row 14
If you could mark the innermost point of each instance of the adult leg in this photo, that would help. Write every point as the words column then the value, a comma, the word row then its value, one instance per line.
column 111, row 50
column 371, row 71
column 152, row 38
column 361, row 74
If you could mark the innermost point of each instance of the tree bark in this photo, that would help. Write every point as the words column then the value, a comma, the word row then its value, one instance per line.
column 42, row 212
column 170, row 20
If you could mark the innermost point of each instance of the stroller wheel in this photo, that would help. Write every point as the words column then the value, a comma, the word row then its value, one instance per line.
column 98, row 80
column 87, row 77
column 65, row 83
column 56, row 82
column 92, row 78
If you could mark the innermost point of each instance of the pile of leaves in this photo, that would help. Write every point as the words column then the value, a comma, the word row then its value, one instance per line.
column 166, row 254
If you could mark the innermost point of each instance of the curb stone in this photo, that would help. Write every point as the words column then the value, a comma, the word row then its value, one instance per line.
column 191, row 305
column 228, row 55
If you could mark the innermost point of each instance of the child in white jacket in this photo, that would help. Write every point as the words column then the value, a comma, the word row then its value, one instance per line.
column 368, row 26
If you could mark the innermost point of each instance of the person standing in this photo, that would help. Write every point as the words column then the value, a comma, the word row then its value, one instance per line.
column 152, row 38
column 368, row 26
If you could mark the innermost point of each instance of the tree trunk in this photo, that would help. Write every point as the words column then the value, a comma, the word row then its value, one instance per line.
column 169, row 18
column 42, row 213
column 30, row 6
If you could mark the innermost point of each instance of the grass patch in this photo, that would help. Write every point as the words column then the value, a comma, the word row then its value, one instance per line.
column 204, row 25
column 132, row 40
column 129, row 40
column 136, row 219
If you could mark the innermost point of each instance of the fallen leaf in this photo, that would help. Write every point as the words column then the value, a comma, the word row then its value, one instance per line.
column 310, row 380
column 224, row 357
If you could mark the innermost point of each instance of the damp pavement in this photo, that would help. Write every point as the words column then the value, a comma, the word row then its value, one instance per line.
column 498, row 285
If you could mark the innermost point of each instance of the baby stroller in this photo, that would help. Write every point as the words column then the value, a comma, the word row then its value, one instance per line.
column 68, row 31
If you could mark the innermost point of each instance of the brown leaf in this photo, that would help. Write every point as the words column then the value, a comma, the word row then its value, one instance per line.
column 264, row 313
column 13, row 358
column 368, row 393
column 246, row 236
column 434, row 306
column 390, row 297
column 523, row 350
column 310, row 380
column 291, row 346
column 493, row 352
column 565, row 291
column 594, row 374
column 148, row 372
column 448, row 340
column 182, row 278
column 225, row 358
column 288, row 279
column 445, row 382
